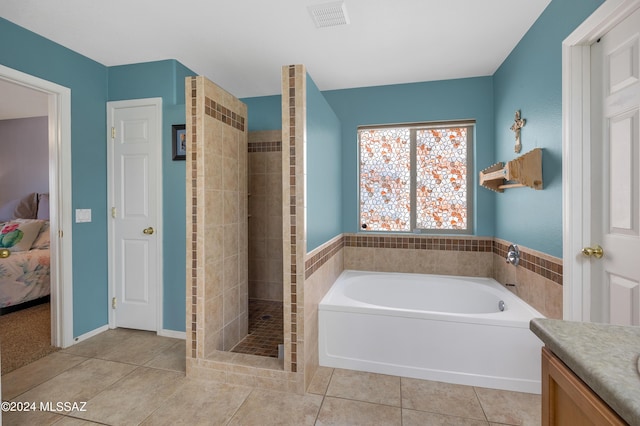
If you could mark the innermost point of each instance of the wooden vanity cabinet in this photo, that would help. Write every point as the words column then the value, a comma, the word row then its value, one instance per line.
column 567, row 400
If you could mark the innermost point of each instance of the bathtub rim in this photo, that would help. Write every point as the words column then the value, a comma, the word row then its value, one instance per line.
column 518, row 313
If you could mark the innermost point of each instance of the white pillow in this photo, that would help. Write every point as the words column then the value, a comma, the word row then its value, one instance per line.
column 19, row 236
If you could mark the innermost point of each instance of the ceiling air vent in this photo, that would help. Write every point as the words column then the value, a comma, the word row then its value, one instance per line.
column 329, row 14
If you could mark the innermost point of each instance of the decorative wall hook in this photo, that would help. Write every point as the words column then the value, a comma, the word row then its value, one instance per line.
column 516, row 126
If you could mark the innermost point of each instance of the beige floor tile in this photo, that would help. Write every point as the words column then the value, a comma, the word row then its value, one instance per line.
column 79, row 383
column 172, row 358
column 320, row 381
column 25, row 378
column 200, row 403
column 337, row 411
column 104, row 371
column 263, row 407
column 513, row 408
column 134, row 397
column 71, row 421
column 363, row 386
column 138, row 348
column 101, row 343
column 422, row 418
column 442, row 398
column 30, row 418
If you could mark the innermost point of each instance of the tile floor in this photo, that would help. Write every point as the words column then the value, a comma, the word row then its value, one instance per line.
column 129, row 377
column 266, row 329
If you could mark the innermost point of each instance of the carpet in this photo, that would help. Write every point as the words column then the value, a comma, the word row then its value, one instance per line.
column 25, row 336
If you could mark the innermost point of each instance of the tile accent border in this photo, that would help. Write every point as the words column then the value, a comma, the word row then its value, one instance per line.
column 420, row 242
column 221, row 113
column 323, row 255
column 536, row 262
column 275, row 146
column 194, row 220
column 293, row 217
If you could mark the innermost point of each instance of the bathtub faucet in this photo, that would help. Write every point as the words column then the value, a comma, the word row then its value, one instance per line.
column 513, row 255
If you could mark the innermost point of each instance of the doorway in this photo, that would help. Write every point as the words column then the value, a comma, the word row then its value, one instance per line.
column 59, row 140
column 266, row 320
column 586, row 295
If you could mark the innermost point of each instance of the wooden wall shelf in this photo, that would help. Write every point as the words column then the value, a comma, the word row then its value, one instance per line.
column 525, row 170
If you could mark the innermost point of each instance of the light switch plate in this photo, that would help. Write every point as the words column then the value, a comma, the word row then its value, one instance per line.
column 83, row 215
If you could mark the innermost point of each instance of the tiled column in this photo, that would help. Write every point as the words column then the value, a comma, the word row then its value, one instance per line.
column 294, row 244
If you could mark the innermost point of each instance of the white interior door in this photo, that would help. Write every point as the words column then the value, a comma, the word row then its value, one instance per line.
column 615, row 171
column 135, row 209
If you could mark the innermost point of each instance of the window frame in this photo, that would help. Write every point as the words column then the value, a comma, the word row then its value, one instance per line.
column 413, row 128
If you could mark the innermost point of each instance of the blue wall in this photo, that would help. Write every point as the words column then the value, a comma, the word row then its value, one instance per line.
column 92, row 85
column 165, row 79
column 530, row 80
column 324, row 174
column 470, row 98
column 264, row 113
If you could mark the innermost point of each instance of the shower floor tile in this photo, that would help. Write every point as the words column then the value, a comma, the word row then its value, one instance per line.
column 266, row 329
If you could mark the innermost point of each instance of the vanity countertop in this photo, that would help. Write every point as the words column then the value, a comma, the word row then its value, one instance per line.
column 604, row 356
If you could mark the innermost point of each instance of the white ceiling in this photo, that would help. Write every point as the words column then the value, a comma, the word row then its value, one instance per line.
column 21, row 102
column 242, row 44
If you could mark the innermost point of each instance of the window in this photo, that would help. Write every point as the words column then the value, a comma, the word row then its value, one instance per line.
column 416, row 177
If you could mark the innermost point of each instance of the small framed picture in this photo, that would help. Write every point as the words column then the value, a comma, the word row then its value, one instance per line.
column 179, row 141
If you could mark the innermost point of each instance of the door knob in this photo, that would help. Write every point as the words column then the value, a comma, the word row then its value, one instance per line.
column 596, row 251
column 148, row 231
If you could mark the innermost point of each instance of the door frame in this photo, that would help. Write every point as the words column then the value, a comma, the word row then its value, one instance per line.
column 576, row 157
column 157, row 103
column 60, row 192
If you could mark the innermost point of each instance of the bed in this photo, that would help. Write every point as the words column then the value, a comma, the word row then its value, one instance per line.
column 25, row 271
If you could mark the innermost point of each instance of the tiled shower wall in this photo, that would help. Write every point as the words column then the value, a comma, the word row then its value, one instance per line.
column 265, row 215
column 216, row 219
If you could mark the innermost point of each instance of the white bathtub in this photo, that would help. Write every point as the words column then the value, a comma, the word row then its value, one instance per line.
column 433, row 327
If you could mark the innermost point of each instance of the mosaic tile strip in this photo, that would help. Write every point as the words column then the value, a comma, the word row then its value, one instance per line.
column 194, row 219
column 545, row 267
column 221, row 113
column 314, row 263
column 420, row 243
column 292, row 215
column 275, row 146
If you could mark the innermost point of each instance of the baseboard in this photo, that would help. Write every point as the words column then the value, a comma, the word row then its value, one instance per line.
column 90, row 334
column 172, row 333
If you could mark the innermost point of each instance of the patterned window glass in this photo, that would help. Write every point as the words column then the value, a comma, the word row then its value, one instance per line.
column 441, row 178
column 385, row 179
column 433, row 196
